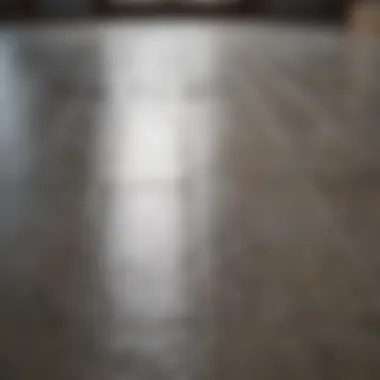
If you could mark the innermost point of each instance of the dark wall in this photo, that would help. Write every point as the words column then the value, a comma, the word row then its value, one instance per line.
column 9, row 7
column 277, row 8
column 47, row 7
column 308, row 8
column 65, row 7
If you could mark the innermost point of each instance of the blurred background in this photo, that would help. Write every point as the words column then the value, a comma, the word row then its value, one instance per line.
column 189, row 198
column 319, row 9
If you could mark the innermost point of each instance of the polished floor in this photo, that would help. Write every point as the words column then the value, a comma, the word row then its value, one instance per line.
column 189, row 201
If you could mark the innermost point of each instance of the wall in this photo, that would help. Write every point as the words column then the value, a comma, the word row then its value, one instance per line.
column 293, row 8
column 48, row 7
column 8, row 7
column 281, row 8
column 65, row 7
